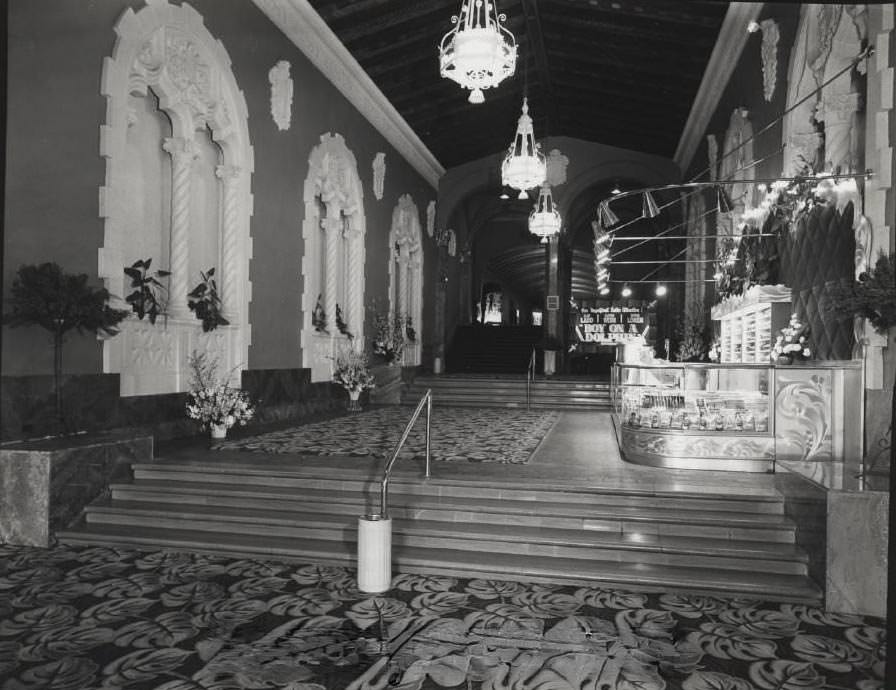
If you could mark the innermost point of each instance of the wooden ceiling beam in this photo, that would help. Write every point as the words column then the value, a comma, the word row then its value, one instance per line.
column 390, row 18
column 536, row 47
column 669, row 12
column 612, row 33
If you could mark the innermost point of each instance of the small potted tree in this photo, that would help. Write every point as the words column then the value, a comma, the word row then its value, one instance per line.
column 44, row 295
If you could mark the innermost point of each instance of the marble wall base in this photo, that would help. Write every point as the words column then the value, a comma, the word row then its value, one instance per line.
column 805, row 503
column 44, row 485
column 858, row 527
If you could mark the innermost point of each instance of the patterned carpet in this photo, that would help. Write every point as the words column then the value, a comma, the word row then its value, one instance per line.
column 72, row 619
column 458, row 435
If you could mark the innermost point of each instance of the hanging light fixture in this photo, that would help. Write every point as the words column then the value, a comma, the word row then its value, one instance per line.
column 478, row 53
column 650, row 209
column 626, row 290
column 660, row 290
column 604, row 290
column 544, row 220
column 524, row 165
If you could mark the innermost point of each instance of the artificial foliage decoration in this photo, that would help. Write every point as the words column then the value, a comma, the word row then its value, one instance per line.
column 341, row 325
column 351, row 370
column 389, row 334
column 204, row 301
column 319, row 317
column 872, row 296
column 692, row 346
column 150, row 295
column 792, row 343
column 44, row 295
column 212, row 401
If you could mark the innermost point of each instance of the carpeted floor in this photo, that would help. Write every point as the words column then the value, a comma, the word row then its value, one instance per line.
column 73, row 619
column 458, row 434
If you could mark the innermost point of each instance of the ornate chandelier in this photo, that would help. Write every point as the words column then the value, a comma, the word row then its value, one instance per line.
column 524, row 165
column 478, row 53
column 544, row 220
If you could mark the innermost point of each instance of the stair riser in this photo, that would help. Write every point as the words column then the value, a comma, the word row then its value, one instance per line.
column 447, row 491
column 339, row 509
column 347, row 532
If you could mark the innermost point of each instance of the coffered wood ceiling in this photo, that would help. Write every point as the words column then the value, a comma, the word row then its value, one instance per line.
column 617, row 72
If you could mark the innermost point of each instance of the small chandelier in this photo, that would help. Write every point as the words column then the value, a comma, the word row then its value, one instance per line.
column 478, row 53
column 544, row 220
column 524, row 165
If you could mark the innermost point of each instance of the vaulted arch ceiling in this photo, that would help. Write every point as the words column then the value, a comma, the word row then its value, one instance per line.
column 620, row 72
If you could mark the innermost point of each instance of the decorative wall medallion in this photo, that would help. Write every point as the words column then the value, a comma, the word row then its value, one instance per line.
column 557, row 164
column 770, row 36
column 281, row 94
column 379, row 175
column 431, row 218
column 712, row 152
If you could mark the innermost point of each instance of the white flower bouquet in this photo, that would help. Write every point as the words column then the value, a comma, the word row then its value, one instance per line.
column 351, row 371
column 792, row 342
column 213, row 402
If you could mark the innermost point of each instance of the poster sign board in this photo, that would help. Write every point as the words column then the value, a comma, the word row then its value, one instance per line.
column 553, row 302
column 608, row 325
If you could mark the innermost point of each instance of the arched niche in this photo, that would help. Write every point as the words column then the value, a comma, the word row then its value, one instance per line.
column 333, row 231
column 177, row 190
column 406, row 271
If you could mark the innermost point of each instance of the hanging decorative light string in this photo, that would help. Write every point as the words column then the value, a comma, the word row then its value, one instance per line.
column 478, row 53
column 524, row 166
column 544, row 220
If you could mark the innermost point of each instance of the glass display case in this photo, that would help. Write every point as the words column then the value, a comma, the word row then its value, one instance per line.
column 739, row 417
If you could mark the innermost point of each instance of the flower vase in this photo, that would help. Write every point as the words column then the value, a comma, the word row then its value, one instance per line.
column 218, row 431
column 354, row 402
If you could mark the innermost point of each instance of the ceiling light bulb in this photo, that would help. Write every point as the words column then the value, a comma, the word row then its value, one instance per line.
column 605, row 290
column 660, row 290
column 626, row 291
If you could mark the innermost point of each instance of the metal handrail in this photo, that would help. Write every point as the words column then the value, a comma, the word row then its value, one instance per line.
column 530, row 375
column 384, row 497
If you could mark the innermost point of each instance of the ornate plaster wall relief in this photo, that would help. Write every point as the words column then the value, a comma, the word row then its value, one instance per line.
column 406, row 271
column 165, row 61
column 737, row 157
column 803, row 416
column 771, row 34
column 712, row 153
column 379, row 175
column 332, row 267
column 556, row 167
column 281, row 94
column 431, row 218
column 695, row 288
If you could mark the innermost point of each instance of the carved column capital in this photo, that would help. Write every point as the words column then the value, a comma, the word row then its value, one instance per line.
column 228, row 173
column 180, row 148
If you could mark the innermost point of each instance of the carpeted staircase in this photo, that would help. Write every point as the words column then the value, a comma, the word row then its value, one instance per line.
column 494, row 390
column 674, row 541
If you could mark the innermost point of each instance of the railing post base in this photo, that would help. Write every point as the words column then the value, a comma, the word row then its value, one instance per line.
column 374, row 554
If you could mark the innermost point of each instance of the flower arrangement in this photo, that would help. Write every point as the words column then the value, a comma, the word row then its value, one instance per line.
column 390, row 333
column 351, row 371
column 212, row 402
column 715, row 351
column 792, row 342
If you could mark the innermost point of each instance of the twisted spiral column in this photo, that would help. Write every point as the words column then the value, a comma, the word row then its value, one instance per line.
column 182, row 152
column 229, row 176
column 353, row 311
column 334, row 230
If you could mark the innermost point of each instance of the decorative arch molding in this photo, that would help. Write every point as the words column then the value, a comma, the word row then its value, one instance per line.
column 333, row 231
column 167, row 50
column 406, row 271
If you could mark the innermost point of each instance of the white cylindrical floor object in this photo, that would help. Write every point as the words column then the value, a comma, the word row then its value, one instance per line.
column 374, row 554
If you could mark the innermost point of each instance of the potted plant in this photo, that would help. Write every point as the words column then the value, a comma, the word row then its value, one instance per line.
column 44, row 295
column 352, row 371
column 203, row 300
column 213, row 403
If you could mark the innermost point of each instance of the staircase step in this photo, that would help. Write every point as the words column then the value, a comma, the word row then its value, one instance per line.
column 630, row 520
column 523, row 567
column 475, row 536
column 236, row 476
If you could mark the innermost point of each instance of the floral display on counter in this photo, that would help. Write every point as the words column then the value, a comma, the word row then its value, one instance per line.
column 213, row 402
column 792, row 343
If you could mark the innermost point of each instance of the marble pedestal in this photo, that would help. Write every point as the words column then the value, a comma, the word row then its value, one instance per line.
column 45, row 484
column 858, row 527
